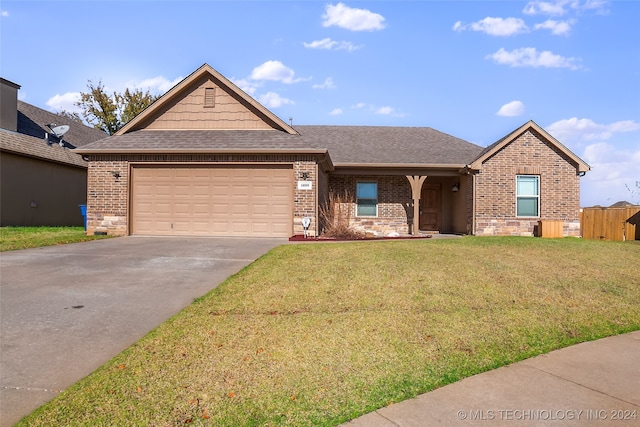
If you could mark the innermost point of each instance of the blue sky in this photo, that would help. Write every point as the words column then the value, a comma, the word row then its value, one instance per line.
column 473, row 69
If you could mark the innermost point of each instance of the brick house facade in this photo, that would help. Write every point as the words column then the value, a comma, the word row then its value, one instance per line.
column 194, row 139
column 528, row 153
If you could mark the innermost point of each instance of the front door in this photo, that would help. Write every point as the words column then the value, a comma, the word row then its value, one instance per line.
column 430, row 207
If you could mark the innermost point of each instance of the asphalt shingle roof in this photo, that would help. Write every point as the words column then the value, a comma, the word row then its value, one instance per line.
column 29, row 140
column 200, row 140
column 389, row 145
column 362, row 145
column 30, row 146
column 33, row 121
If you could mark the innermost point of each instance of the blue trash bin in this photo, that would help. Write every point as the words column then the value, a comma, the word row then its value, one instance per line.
column 83, row 211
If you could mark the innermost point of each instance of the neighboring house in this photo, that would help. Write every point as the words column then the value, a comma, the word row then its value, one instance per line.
column 207, row 159
column 42, row 181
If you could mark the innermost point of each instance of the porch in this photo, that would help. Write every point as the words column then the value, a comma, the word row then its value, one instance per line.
column 395, row 204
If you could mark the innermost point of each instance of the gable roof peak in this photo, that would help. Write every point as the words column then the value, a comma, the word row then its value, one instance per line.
column 205, row 69
column 581, row 165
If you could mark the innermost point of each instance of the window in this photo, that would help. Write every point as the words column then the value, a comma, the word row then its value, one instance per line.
column 367, row 199
column 527, row 195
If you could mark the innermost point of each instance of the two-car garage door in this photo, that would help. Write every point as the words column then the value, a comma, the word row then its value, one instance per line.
column 238, row 200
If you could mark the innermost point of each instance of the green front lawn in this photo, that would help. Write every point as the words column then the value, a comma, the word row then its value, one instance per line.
column 317, row 334
column 13, row 238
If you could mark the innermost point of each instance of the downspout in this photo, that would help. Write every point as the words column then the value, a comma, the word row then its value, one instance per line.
column 473, row 204
column 317, row 232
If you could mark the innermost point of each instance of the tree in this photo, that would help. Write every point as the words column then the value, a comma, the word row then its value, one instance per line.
column 635, row 193
column 110, row 113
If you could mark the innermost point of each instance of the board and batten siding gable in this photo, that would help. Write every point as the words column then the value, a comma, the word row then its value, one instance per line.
column 190, row 112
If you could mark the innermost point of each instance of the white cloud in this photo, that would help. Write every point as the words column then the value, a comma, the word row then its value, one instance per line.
column 248, row 86
column 530, row 57
column 511, row 109
column 274, row 70
column 336, row 112
column 352, row 19
column 577, row 130
column 65, row 102
column 612, row 170
column 557, row 28
column 4, row 13
column 327, row 84
column 273, row 100
column 156, row 85
column 614, row 161
column 556, row 8
column 384, row 111
column 561, row 7
column 501, row 27
column 600, row 6
column 329, row 44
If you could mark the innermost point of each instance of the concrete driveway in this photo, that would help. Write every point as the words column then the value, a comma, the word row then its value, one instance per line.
column 66, row 310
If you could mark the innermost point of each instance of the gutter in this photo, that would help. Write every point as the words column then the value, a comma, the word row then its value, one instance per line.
column 194, row 151
column 402, row 165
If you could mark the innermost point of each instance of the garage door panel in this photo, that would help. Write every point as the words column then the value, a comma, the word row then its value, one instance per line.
column 213, row 200
column 161, row 209
column 238, row 208
column 279, row 210
column 220, row 209
column 201, row 209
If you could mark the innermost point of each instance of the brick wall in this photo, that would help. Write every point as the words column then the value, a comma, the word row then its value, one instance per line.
column 529, row 154
column 108, row 197
column 304, row 201
column 395, row 209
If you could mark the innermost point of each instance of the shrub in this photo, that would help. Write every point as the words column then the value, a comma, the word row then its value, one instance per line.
column 335, row 216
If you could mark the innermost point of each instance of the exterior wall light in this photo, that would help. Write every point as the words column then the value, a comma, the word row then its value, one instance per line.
column 455, row 187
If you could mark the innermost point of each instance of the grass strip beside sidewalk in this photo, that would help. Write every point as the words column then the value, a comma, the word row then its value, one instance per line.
column 318, row 334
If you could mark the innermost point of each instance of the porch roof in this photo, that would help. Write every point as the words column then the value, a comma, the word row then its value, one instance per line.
column 390, row 147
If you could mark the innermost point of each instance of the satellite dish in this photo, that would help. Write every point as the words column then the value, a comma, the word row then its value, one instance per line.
column 58, row 131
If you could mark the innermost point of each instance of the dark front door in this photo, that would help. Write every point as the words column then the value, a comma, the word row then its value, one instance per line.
column 430, row 207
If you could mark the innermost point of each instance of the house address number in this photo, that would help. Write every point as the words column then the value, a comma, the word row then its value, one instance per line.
column 305, row 185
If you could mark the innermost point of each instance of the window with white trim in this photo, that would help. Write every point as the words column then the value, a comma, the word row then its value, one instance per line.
column 367, row 199
column 528, row 195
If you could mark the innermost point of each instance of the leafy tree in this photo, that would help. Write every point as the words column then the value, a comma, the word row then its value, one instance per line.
column 70, row 115
column 110, row 112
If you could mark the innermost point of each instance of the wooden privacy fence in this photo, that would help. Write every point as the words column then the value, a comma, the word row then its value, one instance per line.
column 610, row 223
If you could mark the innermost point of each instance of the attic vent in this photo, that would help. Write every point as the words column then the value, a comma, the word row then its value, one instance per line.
column 210, row 97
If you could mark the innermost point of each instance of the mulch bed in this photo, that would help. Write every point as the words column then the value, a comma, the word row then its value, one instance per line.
column 301, row 238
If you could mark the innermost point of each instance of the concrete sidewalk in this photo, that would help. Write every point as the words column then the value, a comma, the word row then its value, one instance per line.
column 590, row 384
